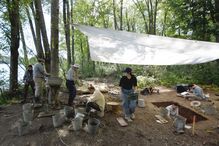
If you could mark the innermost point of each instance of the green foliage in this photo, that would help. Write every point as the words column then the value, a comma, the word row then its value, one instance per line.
column 195, row 16
column 175, row 19
column 205, row 74
column 3, row 101
column 170, row 79
column 7, row 97
column 144, row 82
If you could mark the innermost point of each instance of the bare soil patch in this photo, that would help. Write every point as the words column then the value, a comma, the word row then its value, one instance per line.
column 143, row 131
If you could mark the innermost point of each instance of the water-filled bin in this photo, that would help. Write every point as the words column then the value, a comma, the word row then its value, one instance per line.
column 77, row 122
column 57, row 120
column 141, row 103
column 68, row 111
column 27, row 107
column 179, row 123
column 93, row 125
column 27, row 116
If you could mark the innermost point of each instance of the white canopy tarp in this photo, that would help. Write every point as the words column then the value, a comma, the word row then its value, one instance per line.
column 123, row 47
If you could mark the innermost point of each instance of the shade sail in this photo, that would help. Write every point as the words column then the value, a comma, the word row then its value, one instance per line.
column 123, row 47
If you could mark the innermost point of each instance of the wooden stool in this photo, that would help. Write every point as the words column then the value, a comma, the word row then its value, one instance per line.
column 115, row 106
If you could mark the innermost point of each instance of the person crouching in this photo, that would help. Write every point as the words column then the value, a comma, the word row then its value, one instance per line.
column 95, row 101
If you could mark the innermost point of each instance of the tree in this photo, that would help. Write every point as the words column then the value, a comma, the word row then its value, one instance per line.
column 55, row 38
column 26, row 61
column 148, row 10
column 66, row 20
column 121, row 15
column 217, row 19
column 114, row 15
column 32, row 28
column 72, row 34
column 14, row 18
column 40, row 17
column 38, row 45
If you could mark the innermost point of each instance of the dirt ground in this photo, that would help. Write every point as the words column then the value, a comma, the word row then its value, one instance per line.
column 143, row 131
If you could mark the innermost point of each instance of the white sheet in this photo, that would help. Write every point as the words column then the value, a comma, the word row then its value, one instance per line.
column 123, row 47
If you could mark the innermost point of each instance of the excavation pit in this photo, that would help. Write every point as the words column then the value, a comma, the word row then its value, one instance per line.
column 183, row 111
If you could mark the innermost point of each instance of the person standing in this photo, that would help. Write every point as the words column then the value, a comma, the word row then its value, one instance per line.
column 71, row 77
column 128, row 84
column 28, row 81
column 39, row 74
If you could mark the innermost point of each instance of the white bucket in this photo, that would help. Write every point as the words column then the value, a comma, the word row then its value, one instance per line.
column 141, row 103
column 77, row 122
column 57, row 120
column 27, row 107
column 28, row 116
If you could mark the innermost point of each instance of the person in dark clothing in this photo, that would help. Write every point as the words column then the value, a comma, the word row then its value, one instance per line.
column 128, row 84
column 28, row 81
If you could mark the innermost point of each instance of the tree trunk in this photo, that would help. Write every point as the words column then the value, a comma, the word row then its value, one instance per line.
column 39, row 12
column 72, row 35
column 55, row 38
column 155, row 15
column 66, row 20
column 26, row 61
column 133, row 25
column 39, row 48
column 217, row 19
column 127, row 21
column 142, row 11
column 204, row 20
column 88, row 57
column 121, row 15
column 163, row 33
column 14, row 18
column 31, row 27
column 114, row 15
column 82, row 53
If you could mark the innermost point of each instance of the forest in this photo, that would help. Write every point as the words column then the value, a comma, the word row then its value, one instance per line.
column 54, row 38
column 90, row 103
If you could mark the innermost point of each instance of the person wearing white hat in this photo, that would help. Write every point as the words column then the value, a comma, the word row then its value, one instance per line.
column 70, row 82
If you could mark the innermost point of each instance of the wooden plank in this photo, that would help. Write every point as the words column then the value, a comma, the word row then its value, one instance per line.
column 161, row 119
column 43, row 114
column 122, row 122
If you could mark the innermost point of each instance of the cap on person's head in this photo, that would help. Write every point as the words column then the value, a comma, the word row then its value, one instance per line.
column 75, row 66
column 128, row 70
column 41, row 60
column 30, row 66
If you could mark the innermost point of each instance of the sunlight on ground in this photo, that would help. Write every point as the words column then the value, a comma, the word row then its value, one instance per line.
column 63, row 132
